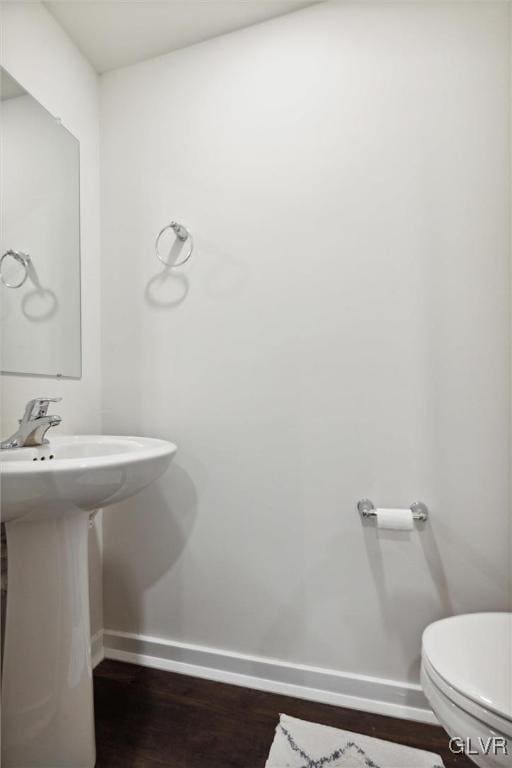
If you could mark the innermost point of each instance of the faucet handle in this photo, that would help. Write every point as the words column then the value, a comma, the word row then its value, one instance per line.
column 38, row 407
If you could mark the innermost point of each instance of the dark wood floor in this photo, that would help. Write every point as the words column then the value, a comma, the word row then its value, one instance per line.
column 151, row 719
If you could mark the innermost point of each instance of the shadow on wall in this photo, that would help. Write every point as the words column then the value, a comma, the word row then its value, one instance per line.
column 394, row 599
column 167, row 289
column 225, row 276
column 397, row 618
column 40, row 303
column 156, row 522
column 37, row 304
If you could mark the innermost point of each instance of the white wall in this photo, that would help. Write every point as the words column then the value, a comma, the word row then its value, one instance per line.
column 41, row 57
column 342, row 331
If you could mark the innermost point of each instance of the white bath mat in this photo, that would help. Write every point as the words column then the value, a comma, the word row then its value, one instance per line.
column 298, row 744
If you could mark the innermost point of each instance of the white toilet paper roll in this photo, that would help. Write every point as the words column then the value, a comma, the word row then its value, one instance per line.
column 395, row 519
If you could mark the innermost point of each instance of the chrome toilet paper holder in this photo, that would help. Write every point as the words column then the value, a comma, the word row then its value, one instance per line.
column 366, row 509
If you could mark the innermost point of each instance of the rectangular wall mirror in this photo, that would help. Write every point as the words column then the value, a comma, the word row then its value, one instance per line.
column 40, row 242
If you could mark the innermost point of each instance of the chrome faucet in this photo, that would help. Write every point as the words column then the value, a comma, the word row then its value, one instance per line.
column 34, row 425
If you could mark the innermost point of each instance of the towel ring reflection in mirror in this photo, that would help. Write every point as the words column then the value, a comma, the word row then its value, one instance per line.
column 21, row 258
column 182, row 234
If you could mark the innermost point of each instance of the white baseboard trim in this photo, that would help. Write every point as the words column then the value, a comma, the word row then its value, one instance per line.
column 97, row 650
column 369, row 694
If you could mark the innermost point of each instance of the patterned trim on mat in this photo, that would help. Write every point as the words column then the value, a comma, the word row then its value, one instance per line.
column 324, row 761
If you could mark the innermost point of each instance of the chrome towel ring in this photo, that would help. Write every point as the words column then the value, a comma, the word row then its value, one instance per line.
column 23, row 259
column 182, row 234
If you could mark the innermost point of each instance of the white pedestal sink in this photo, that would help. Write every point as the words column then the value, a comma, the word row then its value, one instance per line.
column 47, row 493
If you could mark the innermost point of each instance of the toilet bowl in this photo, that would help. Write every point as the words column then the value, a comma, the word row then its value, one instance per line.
column 466, row 674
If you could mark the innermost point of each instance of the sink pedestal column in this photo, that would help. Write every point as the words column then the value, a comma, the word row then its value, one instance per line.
column 47, row 694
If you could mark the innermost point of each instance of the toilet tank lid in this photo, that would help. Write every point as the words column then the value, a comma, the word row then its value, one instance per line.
column 473, row 654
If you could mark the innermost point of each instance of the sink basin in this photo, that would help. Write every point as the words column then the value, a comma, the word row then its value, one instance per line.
column 82, row 473
column 47, row 494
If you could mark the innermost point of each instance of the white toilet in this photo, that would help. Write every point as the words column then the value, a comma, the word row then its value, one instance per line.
column 466, row 674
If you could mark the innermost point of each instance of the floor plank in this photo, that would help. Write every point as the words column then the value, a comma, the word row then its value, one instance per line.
column 147, row 718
